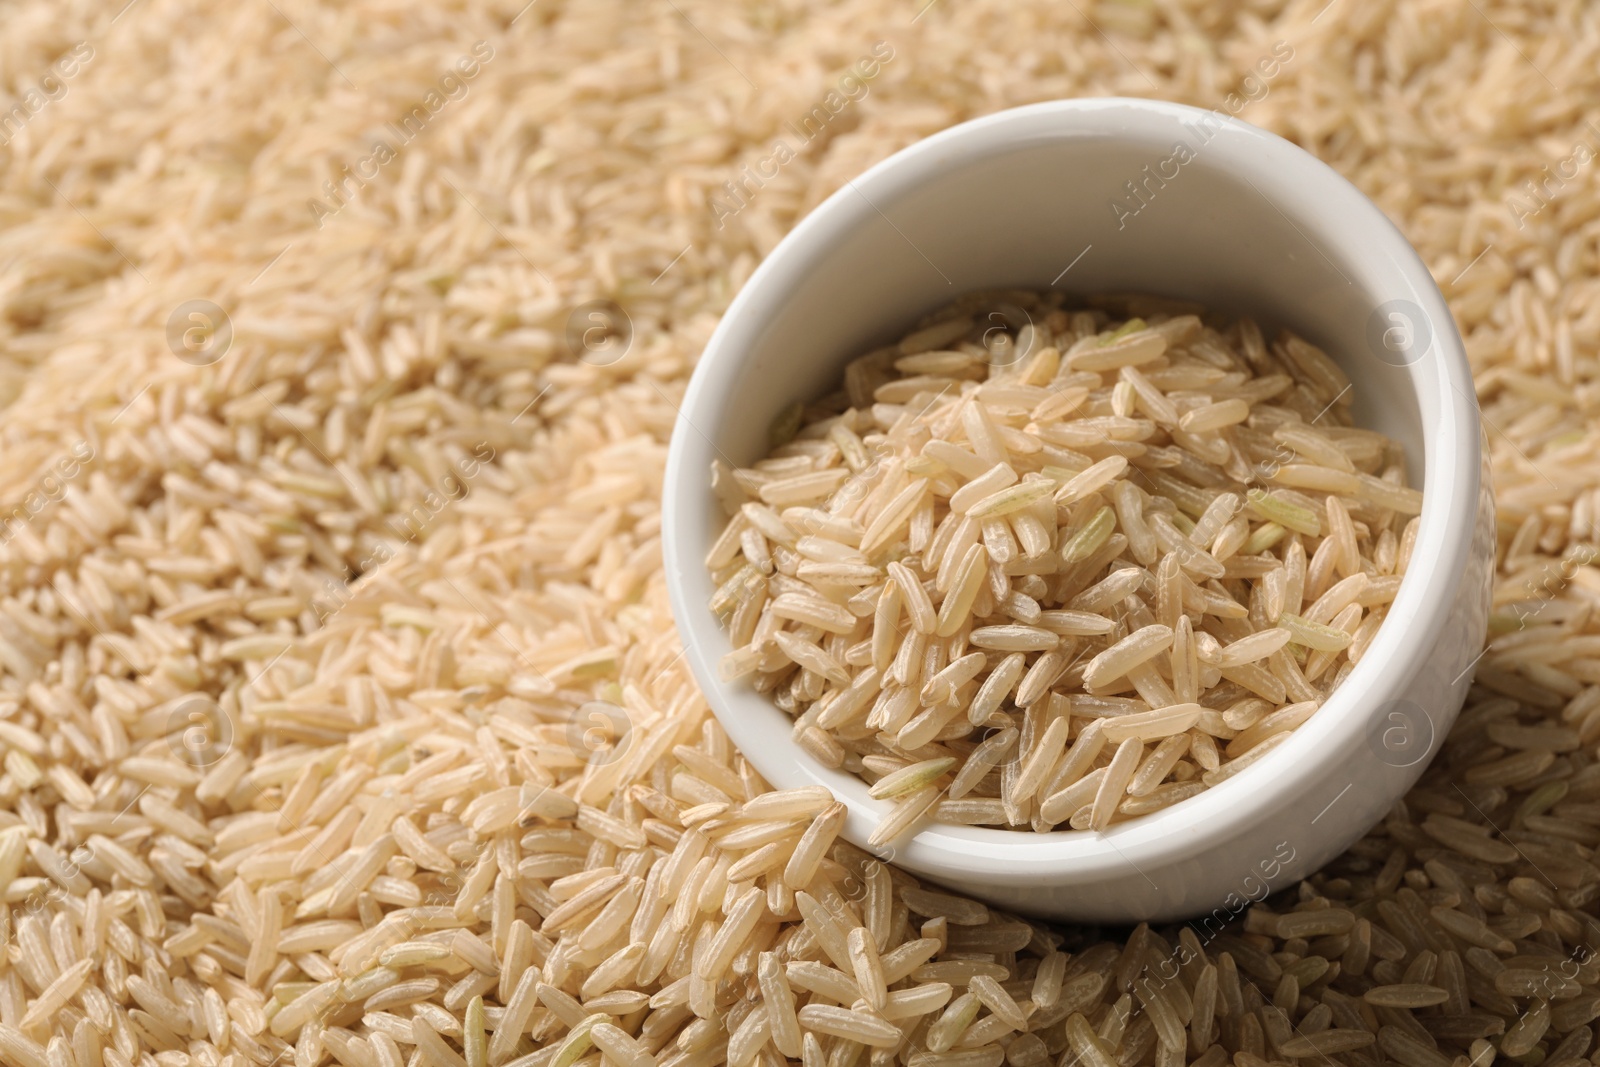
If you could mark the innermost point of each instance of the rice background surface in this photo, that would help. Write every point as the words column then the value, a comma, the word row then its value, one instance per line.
column 341, row 717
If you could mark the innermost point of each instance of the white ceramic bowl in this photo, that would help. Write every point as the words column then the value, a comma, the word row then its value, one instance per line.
column 1239, row 220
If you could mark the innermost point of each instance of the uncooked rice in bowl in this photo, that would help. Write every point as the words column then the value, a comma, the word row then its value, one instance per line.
column 1035, row 567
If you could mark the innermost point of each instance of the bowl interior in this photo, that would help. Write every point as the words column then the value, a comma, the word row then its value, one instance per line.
column 1091, row 197
column 1060, row 213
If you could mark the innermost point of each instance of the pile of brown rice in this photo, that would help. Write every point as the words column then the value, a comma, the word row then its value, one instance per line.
column 1003, row 559
column 310, row 649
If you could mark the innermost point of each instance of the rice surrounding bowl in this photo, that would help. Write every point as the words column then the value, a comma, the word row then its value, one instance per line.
column 448, row 795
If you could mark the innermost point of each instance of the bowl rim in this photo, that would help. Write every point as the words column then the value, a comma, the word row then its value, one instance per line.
column 1282, row 172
